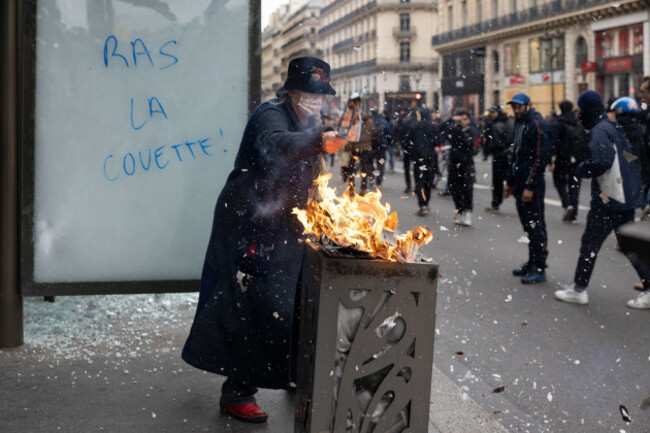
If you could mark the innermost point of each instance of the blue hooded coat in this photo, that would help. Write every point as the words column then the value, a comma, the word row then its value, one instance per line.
column 602, row 138
column 244, row 331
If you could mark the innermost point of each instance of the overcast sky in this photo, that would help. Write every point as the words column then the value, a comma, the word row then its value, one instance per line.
column 268, row 6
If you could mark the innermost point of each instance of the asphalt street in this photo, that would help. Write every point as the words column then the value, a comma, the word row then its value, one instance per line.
column 564, row 367
column 112, row 363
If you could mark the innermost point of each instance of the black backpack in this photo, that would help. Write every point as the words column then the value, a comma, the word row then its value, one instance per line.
column 573, row 142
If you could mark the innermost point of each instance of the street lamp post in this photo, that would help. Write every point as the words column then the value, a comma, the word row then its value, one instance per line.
column 552, row 54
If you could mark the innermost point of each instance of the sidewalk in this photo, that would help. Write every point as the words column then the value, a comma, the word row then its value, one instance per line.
column 112, row 364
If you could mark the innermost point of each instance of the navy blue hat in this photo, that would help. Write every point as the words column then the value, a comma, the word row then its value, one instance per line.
column 520, row 99
column 590, row 100
column 309, row 74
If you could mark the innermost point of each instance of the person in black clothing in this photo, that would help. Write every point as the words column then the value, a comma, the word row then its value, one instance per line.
column 644, row 159
column 525, row 181
column 380, row 142
column 567, row 140
column 401, row 132
column 497, row 134
column 461, row 134
column 423, row 137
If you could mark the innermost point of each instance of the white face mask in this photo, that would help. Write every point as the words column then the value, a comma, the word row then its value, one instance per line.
column 310, row 103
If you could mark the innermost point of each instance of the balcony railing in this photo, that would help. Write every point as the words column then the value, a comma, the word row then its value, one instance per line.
column 363, row 9
column 403, row 33
column 355, row 66
column 525, row 16
column 349, row 42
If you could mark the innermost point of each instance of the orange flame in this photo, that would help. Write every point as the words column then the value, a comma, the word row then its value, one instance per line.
column 359, row 222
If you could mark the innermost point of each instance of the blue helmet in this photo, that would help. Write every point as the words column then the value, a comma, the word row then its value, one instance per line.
column 625, row 105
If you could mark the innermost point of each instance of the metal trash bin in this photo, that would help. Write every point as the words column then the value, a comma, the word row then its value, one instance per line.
column 365, row 354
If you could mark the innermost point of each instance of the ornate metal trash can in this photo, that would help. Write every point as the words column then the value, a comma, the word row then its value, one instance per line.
column 365, row 352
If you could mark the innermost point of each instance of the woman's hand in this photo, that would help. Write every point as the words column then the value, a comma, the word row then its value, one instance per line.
column 332, row 142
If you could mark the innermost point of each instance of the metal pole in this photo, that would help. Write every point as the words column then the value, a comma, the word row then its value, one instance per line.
column 11, row 303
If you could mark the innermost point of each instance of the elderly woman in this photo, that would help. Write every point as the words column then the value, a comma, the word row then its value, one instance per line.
column 244, row 318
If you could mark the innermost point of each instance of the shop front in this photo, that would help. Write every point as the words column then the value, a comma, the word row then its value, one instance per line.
column 396, row 101
column 619, row 61
column 463, row 82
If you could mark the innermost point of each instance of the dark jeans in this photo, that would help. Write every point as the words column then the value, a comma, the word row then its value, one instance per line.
column 600, row 223
column 424, row 171
column 234, row 392
column 363, row 161
column 531, row 216
column 379, row 161
column 461, row 182
column 567, row 184
column 407, row 169
column 499, row 169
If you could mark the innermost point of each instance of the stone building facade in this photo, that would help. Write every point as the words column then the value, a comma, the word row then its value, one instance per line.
column 382, row 48
column 550, row 49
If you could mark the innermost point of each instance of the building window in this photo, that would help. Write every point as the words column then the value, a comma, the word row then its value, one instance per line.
column 511, row 58
column 405, row 51
column 546, row 54
column 495, row 9
column 495, row 61
column 404, row 22
column 458, row 66
column 404, row 83
column 464, row 12
column 405, row 1
column 582, row 53
column 479, row 11
column 513, row 6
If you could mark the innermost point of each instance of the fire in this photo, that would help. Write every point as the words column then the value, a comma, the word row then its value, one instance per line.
column 359, row 222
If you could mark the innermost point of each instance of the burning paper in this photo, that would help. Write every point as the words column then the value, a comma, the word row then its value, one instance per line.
column 359, row 222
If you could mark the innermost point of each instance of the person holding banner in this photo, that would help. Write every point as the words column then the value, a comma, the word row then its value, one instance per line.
column 243, row 327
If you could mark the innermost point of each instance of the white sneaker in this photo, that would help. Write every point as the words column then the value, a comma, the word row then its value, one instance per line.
column 466, row 219
column 456, row 218
column 569, row 294
column 641, row 302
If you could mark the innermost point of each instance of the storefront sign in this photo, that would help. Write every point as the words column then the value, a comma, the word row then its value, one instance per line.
column 588, row 66
column 516, row 80
column 618, row 65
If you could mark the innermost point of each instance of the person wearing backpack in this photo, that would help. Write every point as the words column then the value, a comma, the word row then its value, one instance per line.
column 616, row 193
column 498, row 134
column 566, row 137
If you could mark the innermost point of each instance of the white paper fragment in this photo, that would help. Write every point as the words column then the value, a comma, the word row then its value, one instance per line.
column 549, row 396
column 523, row 240
column 508, row 298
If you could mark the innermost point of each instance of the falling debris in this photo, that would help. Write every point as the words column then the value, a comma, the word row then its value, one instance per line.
column 549, row 397
column 523, row 240
column 624, row 413
column 629, row 157
column 498, row 390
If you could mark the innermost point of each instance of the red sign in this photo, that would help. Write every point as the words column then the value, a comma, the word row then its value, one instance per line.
column 588, row 66
column 616, row 65
column 516, row 79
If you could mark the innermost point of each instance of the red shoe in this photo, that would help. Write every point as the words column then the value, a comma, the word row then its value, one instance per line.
column 249, row 412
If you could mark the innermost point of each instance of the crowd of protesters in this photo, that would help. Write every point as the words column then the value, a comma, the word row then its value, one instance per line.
column 243, row 327
column 588, row 140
